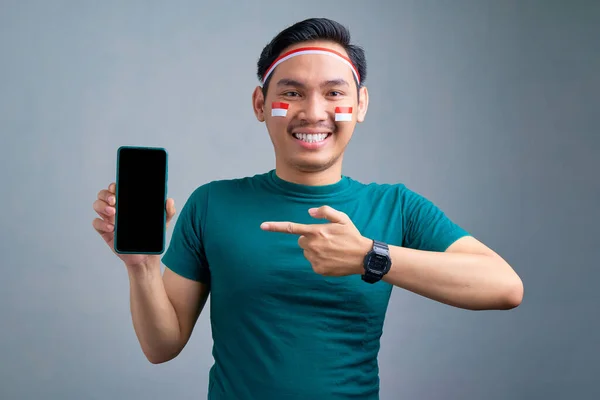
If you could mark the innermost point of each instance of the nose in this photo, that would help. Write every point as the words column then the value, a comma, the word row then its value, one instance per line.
column 314, row 110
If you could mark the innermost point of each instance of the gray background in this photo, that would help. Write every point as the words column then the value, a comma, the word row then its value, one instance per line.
column 488, row 108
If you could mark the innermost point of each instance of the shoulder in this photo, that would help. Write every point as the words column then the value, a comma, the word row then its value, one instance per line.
column 233, row 184
column 400, row 200
column 397, row 193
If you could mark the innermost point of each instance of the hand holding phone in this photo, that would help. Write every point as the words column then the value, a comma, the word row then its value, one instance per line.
column 134, row 212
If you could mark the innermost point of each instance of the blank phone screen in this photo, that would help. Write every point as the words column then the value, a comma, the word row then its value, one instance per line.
column 141, row 189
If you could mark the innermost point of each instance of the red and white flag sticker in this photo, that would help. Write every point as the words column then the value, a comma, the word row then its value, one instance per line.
column 279, row 109
column 343, row 113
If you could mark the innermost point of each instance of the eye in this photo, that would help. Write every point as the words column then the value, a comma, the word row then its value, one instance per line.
column 335, row 93
column 291, row 94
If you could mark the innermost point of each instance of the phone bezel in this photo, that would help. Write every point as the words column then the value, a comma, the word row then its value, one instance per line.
column 164, row 233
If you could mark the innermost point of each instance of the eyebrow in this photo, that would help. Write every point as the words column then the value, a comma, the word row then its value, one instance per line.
column 293, row 82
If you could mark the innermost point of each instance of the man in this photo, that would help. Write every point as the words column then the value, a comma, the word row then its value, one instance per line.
column 300, row 261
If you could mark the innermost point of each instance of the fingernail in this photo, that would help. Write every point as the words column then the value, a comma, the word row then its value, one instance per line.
column 312, row 211
column 264, row 225
column 111, row 199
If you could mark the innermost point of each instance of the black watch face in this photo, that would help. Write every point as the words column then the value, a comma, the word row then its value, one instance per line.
column 377, row 262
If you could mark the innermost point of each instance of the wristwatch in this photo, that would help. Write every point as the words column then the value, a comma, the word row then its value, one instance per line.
column 377, row 262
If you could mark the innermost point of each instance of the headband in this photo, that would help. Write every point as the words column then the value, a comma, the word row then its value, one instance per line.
column 311, row 50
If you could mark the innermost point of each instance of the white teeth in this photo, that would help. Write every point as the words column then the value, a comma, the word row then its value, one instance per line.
column 311, row 137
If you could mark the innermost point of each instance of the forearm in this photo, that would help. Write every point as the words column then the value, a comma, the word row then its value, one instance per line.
column 470, row 281
column 154, row 319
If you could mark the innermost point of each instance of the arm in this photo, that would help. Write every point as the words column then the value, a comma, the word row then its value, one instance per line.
column 467, row 275
column 440, row 260
column 164, row 309
column 436, row 259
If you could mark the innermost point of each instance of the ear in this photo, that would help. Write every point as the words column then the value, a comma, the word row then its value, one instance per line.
column 363, row 104
column 258, row 104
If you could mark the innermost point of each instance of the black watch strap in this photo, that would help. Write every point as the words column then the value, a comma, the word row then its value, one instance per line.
column 370, row 277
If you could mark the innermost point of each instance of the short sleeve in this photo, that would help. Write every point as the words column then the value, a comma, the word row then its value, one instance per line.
column 185, row 255
column 425, row 226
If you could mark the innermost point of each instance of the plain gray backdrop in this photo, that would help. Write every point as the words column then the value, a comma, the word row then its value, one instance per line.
column 488, row 108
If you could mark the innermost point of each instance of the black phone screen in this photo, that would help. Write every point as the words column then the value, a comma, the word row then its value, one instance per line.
column 141, row 196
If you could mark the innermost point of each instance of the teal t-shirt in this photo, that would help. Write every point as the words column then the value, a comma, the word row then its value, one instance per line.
column 280, row 330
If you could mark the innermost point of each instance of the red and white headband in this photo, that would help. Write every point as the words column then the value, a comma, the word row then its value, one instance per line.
column 311, row 50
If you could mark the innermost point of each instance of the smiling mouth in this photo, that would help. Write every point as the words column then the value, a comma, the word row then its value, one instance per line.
column 311, row 137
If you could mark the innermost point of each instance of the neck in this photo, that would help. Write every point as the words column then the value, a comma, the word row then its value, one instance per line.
column 328, row 176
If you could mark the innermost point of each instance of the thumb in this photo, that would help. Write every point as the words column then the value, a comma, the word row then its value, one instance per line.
column 329, row 213
column 170, row 208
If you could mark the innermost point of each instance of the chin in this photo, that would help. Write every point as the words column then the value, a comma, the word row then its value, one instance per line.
column 313, row 163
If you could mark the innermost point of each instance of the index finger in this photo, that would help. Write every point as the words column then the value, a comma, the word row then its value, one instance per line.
column 287, row 227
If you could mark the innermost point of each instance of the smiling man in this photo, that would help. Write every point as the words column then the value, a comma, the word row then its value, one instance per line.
column 300, row 261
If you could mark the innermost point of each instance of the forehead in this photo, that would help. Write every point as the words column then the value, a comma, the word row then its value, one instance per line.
column 313, row 68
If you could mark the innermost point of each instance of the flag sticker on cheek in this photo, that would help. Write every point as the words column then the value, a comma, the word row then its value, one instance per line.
column 279, row 109
column 343, row 113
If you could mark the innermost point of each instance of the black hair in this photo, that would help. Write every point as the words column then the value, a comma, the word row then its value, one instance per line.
column 309, row 30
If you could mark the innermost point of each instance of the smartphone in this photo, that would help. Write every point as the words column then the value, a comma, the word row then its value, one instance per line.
column 141, row 196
